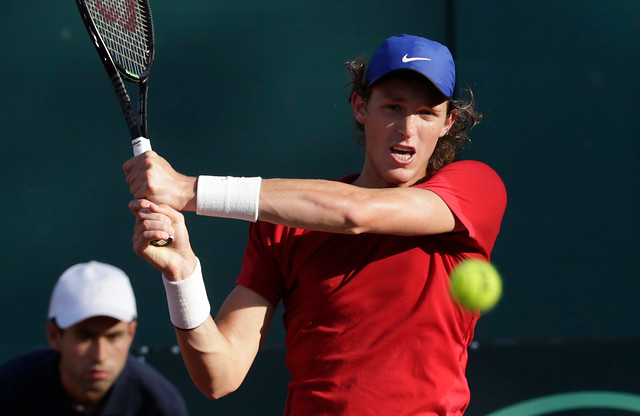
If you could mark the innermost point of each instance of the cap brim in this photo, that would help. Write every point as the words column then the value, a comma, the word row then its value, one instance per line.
column 415, row 71
column 75, row 315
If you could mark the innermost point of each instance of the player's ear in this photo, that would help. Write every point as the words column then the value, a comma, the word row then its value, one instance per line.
column 133, row 325
column 359, row 107
column 448, row 123
column 53, row 335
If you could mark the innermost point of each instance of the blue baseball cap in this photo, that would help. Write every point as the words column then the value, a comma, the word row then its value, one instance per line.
column 429, row 58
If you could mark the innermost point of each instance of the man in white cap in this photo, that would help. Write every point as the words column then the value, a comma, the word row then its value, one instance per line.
column 88, row 369
column 361, row 264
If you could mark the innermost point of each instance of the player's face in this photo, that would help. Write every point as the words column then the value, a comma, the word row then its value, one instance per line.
column 403, row 120
column 93, row 352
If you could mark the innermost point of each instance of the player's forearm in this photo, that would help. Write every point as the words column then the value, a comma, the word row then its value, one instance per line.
column 312, row 204
column 207, row 352
column 330, row 206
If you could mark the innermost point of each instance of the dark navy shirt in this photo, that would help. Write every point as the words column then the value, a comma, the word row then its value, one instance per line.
column 30, row 385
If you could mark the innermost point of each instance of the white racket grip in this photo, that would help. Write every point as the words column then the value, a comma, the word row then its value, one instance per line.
column 140, row 145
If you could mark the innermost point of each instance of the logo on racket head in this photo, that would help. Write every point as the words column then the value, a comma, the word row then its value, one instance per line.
column 115, row 11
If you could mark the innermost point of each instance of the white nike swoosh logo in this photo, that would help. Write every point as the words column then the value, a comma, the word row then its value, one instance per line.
column 405, row 58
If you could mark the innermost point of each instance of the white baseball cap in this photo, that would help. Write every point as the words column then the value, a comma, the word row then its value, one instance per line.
column 92, row 289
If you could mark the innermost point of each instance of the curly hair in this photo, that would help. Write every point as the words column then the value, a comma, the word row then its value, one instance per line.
column 448, row 146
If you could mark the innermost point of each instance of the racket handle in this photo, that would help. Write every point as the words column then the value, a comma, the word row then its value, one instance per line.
column 141, row 145
column 162, row 243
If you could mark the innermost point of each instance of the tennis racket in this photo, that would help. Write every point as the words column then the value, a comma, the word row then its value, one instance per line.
column 122, row 33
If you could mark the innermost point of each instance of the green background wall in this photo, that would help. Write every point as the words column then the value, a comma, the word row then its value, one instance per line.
column 258, row 88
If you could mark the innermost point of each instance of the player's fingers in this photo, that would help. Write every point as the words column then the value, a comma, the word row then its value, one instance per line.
column 130, row 178
column 140, row 184
column 142, row 240
column 142, row 160
column 151, row 226
column 149, row 213
column 175, row 216
column 131, row 167
column 136, row 205
column 160, row 222
column 127, row 166
column 147, row 220
column 137, row 171
column 146, row 186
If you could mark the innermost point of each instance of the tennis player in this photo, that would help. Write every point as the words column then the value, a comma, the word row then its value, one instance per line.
column 361, row 264
column 88, row 369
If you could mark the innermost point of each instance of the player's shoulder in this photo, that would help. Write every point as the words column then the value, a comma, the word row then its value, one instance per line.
column 468, row 179
column 466, row 170
column 472, row 172
column 469, row 165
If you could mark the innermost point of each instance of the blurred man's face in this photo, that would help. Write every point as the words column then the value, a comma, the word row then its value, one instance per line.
column 93, row 352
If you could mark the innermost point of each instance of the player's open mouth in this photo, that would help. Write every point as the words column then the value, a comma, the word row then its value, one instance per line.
column 403, row 154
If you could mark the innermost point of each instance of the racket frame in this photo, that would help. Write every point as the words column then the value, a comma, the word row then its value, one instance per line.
column 136, row 121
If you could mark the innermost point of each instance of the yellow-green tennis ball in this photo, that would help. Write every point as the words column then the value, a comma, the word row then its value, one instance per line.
column 476, row 285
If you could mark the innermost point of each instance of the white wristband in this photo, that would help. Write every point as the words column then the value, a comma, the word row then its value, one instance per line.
column 228, row 197
column 187, row 299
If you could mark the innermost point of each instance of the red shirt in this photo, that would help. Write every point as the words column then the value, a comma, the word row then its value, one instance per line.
column 371, row 327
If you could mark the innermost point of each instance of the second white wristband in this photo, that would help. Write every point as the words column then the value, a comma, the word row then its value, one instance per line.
column 187, row 300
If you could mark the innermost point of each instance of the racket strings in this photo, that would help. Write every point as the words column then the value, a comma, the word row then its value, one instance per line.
column 125, row 30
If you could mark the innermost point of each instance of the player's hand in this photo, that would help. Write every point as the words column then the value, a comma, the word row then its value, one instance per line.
column 157, row 222
column 151, row 177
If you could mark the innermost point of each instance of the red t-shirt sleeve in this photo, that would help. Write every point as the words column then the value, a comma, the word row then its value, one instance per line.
column 260, row 272
column 477, row 197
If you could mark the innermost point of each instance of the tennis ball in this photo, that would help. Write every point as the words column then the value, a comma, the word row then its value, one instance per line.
column 476, row 285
